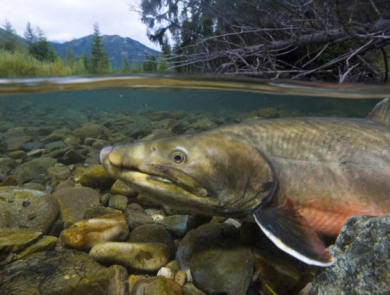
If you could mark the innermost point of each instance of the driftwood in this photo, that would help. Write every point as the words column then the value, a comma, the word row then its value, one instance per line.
column 289, row 38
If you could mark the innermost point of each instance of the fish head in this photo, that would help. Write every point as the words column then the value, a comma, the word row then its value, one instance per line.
column 206, row 173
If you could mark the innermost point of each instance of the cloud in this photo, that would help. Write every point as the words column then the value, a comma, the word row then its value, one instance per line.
column 64, row 20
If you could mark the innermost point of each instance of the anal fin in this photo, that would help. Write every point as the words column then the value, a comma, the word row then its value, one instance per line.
column 290, row 232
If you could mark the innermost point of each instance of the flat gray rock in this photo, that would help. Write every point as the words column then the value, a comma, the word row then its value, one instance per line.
column 362, row 253
column 74, row 201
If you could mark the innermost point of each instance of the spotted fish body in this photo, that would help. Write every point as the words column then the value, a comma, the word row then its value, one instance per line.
column 296, row 176
column 332, row 168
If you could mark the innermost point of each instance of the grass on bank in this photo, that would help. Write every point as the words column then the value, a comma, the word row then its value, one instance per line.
column 20, row 64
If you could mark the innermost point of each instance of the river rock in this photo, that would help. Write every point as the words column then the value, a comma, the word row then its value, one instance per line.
column 87, row 233
column 92, row 130
column 63, row 272
column 12, row 242
column 5, row 125
column 4, row 171
column 72, row 156
column 205, row 124
column 99, row 210
column 156, row 286
column 275, row 273
column 30, row 170
column 362, row 253
column 134, row 256
column 118, row 202
column 29, row 146
column 166, row 272
column 190, row 289
column 36, row 153
column 71, row 140
column 74, row 201
column 121, row 188
column 152, row 233
column 16, row 143
column 9, row 162
column 177, row 224
column 99, row 144
column 9, row 180
column 93, row 157
column 18, row 155
column 27, row 209
column 46, row 243
column 96, row 176
column 195, row 237
column 55, row 145
column 137, row 217
column 222, row 267
column 55, row 136
column 118, row 277
column 59, row 172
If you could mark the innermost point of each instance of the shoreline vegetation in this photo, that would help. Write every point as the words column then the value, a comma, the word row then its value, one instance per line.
column 34, row 57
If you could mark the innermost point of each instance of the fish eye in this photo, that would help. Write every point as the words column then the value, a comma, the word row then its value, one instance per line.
column 178, row 157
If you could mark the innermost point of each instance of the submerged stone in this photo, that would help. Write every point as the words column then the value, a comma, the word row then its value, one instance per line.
column 177, row 224
column 118, row 276
column 74, row 201
column 27, row 209
column 46, row 243
column 87, row 233
column 15, row 242
column 222, row 267
column 118, row 202
column 72, row 156
column 96, row 176
column 30, row 170
column 190, row 289
column 33, row 145
column 276, row 273
column 362, row 254
column 120, row 188
column 152, row 233
column 156, row 286
column 65, row 272
column 16, row 143
column 134, row 256
column 195, row 237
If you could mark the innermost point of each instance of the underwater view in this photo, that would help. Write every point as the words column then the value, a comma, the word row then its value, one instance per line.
column 193, row 185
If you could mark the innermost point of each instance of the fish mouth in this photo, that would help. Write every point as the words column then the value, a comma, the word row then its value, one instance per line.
column 163, row 184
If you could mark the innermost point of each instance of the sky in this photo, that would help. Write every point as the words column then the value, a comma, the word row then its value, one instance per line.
column 64, row 20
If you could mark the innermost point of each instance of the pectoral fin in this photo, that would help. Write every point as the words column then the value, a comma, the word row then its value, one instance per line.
column 290, row 232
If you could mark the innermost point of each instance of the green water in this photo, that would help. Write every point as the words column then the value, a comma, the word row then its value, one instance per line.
column 65, row 99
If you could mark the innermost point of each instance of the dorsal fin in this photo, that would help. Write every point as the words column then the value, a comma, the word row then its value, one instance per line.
column 381, row 112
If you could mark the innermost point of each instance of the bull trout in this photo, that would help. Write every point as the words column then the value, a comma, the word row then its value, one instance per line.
column 296, row 176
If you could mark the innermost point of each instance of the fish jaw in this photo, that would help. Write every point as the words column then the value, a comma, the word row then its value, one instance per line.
column 157, row 186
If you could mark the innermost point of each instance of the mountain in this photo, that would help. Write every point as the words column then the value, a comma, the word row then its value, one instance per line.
column 117, row 48
column 3, row 35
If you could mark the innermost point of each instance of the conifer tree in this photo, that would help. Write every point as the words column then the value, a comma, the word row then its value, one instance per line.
column 10, row 41
column 150, row 64
column 69, row 57
column 99, row 62
column 85, row 62
column 38, row 46
column 125, row 66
